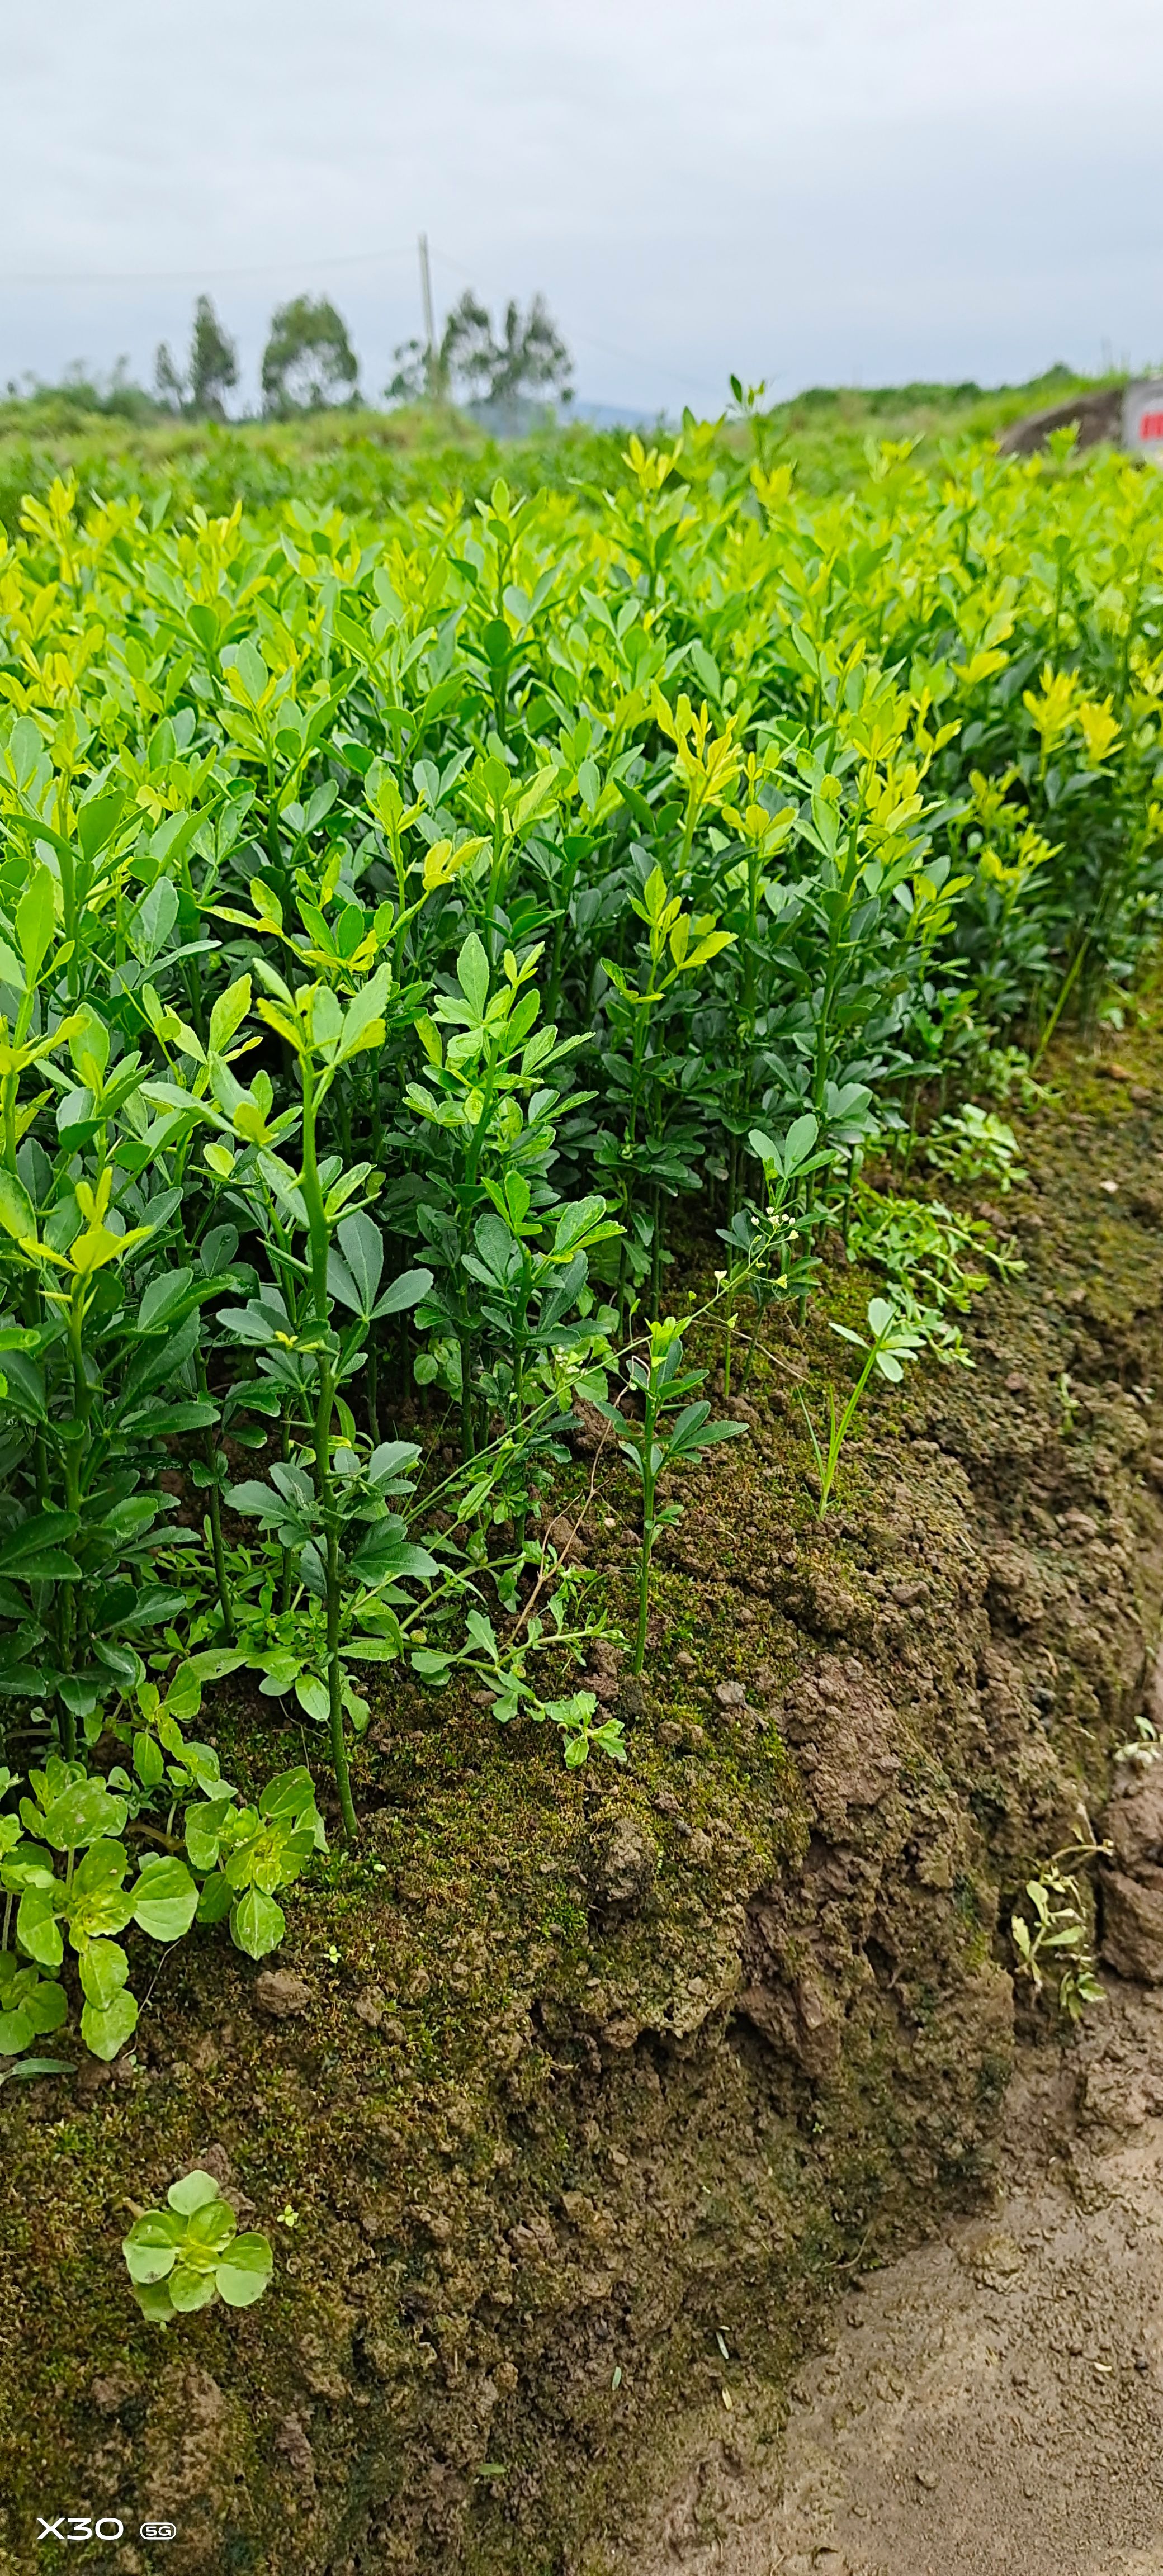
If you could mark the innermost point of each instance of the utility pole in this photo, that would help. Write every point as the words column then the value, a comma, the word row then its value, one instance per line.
column 429, row 330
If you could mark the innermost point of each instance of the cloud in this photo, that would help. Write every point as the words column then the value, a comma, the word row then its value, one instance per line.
column 809, row 189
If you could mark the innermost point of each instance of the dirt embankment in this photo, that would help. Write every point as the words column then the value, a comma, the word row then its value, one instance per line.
column 992, row 2400
column 577, row 2099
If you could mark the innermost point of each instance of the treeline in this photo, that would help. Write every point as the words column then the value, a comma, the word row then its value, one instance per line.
column 309, row 364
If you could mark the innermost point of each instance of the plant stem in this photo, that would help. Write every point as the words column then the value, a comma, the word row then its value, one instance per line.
column 650, row 1409
column 221, row 1576
column 324, row 1486
column 838, row 1429
column 644, row 1585
column 1060, row 1004
column 325, row 1493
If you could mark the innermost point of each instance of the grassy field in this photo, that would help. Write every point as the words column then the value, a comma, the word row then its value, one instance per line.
column 365, row 460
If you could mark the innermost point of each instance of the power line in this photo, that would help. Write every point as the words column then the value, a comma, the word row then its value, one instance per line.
column 624, row 356
column 343, row 260
column 205, row 276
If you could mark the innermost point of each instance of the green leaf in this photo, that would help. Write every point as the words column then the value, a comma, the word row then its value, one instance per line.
column 404, row 1291
column 49, row 2007
column 165, row 1898
column 313, row 1696
column 148, row 1760
column 385, row 1649
column 210, row 2229
column 99, row 1875
column 151, row 2247
column 83, row 1813
column 97, row 821
column 214, row 1662
column 204, row 1825
column 41, row 1536
column 35, row 922
column 193, row 2191
column 154, row 2301
column 30, row 2005
column 362, row 1247
column 216, row 1899
column 290, row 1793
column 245, row 2274
column 798, row 1143
column 257, row 1924
column 255, row 1501
column 17, row 1214
column 363, row 1017
column 105, row 2033
column 190, row 2290
column 472, row 975
column 383, row 1552
column 38, row 1927
column 104, row 1969
column 228, row 1014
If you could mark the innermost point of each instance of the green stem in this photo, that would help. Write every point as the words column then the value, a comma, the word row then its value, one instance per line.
column 324, row 1486
column 838, row 1430
column 221, row 1576
column 644, row 1585
column 1060, row 1005
column 373, row 1387
column 325, row 1493
column 72, row 1452
column 650, row 1410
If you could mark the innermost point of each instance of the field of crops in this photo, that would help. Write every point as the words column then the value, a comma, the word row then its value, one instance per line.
column 431, row 947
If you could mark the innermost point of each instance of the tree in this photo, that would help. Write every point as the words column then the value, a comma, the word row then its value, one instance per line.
column 213, row 363
column 169, row 384
column 308, row 361
column 211, row 374
column 465, row 350
column 530, row 356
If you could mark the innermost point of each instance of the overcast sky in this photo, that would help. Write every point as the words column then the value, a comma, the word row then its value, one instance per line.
column 810, row 191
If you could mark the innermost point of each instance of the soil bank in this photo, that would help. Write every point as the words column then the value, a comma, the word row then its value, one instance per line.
column 576, row 2102
column 992, row 2400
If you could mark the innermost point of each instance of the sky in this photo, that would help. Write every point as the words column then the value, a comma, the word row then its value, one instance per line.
column 794, row 191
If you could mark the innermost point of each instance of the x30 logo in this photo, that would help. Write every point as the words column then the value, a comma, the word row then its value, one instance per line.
column 76, row 2526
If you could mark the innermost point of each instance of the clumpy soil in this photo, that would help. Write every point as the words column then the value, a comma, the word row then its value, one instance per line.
column 991, row 2401
column 577, row 2103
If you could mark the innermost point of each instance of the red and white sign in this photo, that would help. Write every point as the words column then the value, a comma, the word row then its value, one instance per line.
column 1143, row 419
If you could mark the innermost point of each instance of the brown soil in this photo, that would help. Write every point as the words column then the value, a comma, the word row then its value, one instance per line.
column 1095, row 416
column 991, row 2401
column 570, row 2081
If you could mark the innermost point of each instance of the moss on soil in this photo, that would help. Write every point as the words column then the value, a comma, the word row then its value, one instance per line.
column 560, row 2144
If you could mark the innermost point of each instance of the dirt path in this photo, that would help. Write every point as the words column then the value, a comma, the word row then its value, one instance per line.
column 993, row 2401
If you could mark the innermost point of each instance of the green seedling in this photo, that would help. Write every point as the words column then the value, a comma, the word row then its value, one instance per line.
column 185, row 2256
column 657, row 1443
column 975, row 1145
column 894, row 1343
column 931, row 1259
column 1056, row 1940
column 503, row 1672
